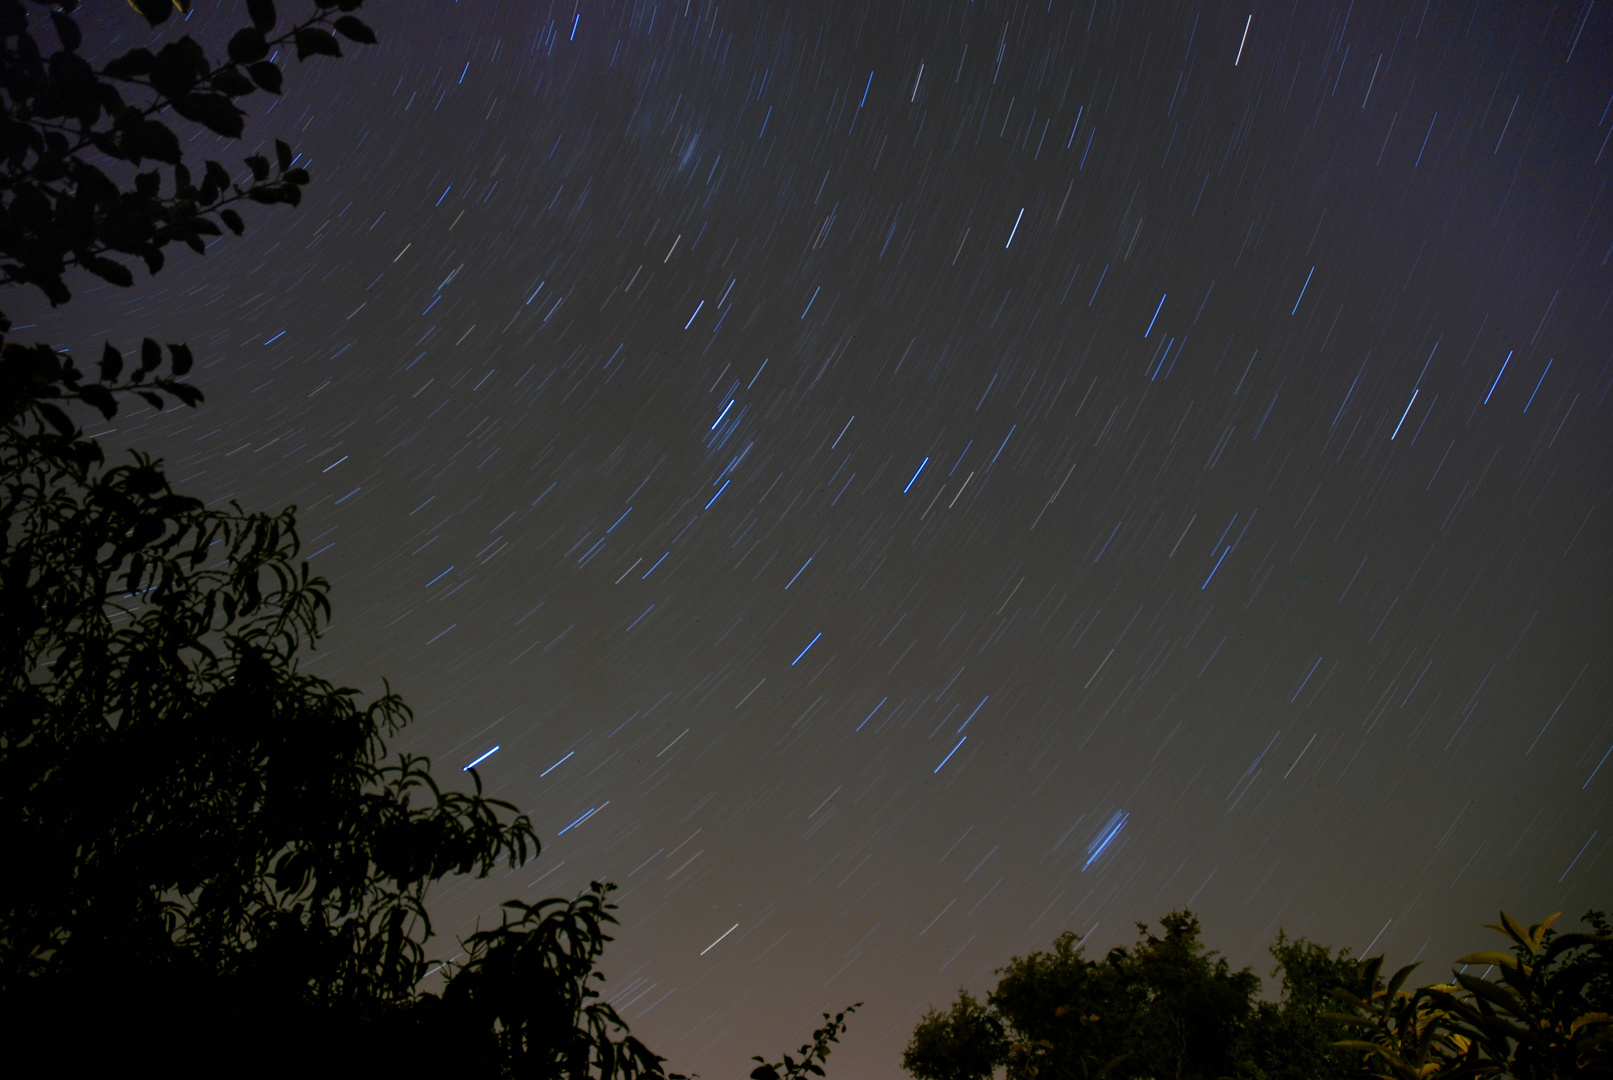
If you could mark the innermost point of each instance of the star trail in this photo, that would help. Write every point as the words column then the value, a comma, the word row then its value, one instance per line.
column 781, row 447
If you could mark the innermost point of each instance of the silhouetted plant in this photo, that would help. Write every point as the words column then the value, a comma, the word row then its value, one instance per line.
column 62, row 118
column 526, row 987
column 813, row 1054
column 1406, row 1033
column 1290, row 1037
column 1067, row 1016
column 191, row 815
column 1550, row 1015
column 176, row 785
column 1167, row 1006
column 965, row 1043
column 63, row 114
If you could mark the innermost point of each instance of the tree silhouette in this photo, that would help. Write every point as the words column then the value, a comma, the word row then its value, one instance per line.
column 216, row 861
column 61, row 208
column 1549, row 1014
column 965, row 1043
column 1291, row 1037
column 1168, row 1007
column 813, row 1054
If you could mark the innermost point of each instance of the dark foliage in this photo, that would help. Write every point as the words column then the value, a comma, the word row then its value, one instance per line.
column 58, row 209
column 1168, row 1008
column 813, row 1054
column 525, row 991
column 1290, row 1037
column 181, row 793
column 74, row 139
column 1165, row 1007
column 1067, row 1016
column 1548, row 1013
column 202, row 822
column 965, row 1043
column 219, row 865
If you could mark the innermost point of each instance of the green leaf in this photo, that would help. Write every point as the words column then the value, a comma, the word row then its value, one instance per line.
column 248, row 45
column 1497, row 958
column 180, row 359
column 1538, row 931
column 282, row 154
column 266, row 75
column 150, row 356
column 259, row 166
column 1515, row 930
column 111, row 363
column 354, row 30
column 1399, row 979
column 1498, row 996
column 233, row 220
column 312, row 41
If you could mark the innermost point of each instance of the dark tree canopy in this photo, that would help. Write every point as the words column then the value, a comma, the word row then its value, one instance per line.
column 183, row 794
column 1167, row 1007
column 178, row 788
column 192, row 815
column 1548, row 1013
column 965, row 1043
column 813, row 1054
column 62, row 115
column 1290, row 1037
column 216, row 861
column 83, row 153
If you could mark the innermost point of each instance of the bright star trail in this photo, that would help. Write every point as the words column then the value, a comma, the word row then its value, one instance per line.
column 559, row 361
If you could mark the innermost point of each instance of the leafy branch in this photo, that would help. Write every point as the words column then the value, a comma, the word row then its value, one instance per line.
column 36, row 378
column 59, row 210
column 1547, row 1015
column 813, row 1054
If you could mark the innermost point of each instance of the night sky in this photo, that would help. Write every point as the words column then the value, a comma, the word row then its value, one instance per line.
column 887, row 483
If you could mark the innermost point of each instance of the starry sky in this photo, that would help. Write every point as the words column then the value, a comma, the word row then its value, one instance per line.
column 889, row 483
